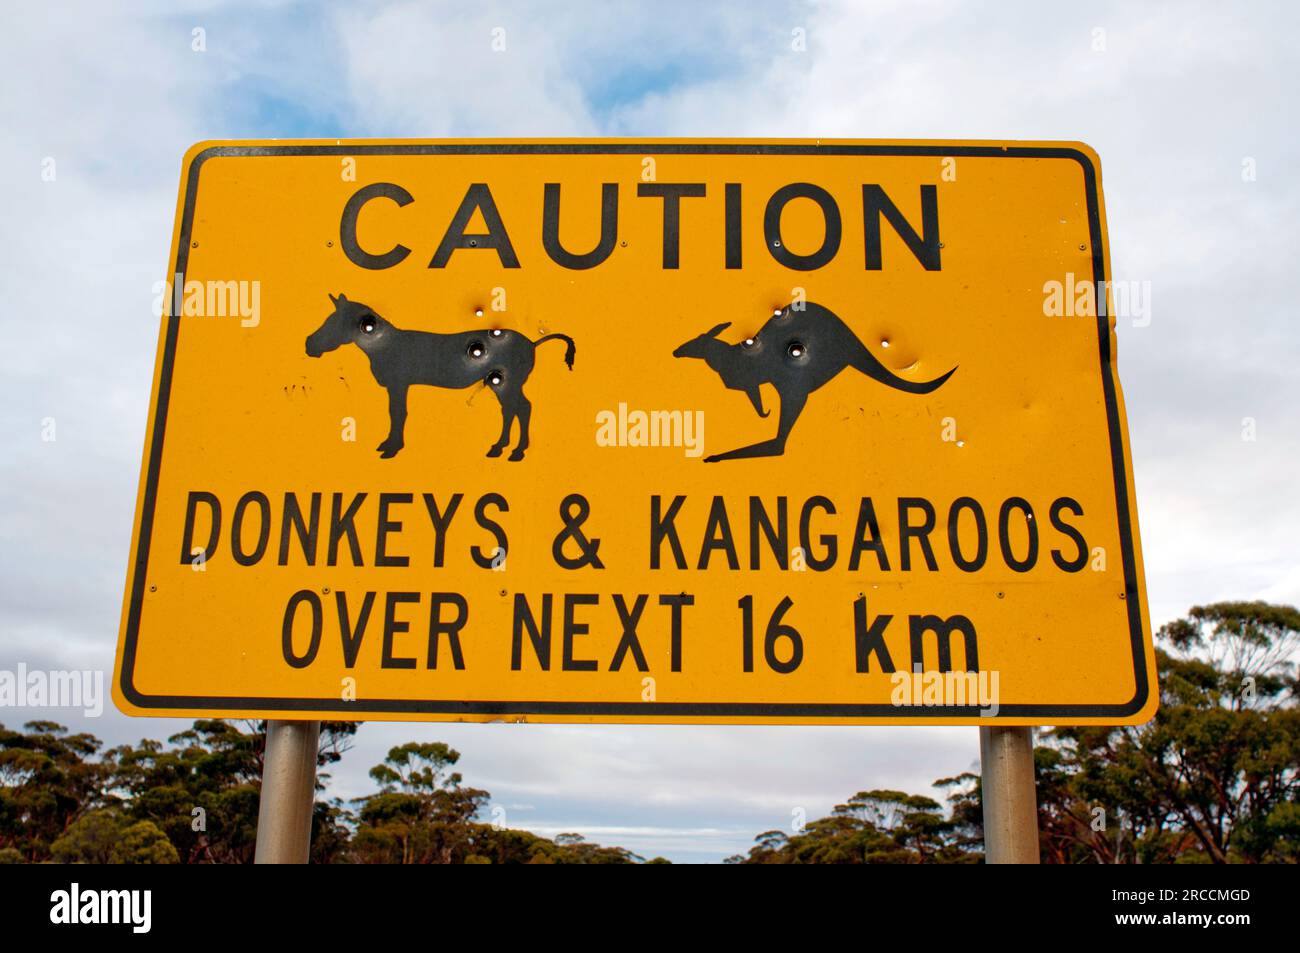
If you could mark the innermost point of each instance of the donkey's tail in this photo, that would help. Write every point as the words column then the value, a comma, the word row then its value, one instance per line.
column 569, row 349
column 867, row 363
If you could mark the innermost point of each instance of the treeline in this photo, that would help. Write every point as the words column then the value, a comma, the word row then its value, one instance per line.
column 194, row 800
column 1212, row 779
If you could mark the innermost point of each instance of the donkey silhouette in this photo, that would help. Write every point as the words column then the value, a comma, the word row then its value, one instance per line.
column 796, row 351
column 500, row 359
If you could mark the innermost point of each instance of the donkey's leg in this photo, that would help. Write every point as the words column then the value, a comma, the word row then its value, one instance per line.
column 507, row 418
column 791, row 406
column 396, row 422
column 524, row 411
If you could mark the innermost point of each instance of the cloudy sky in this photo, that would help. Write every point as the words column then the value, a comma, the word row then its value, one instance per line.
column 1178, row 98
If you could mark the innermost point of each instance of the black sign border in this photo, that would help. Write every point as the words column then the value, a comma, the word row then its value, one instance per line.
column 1060, row 714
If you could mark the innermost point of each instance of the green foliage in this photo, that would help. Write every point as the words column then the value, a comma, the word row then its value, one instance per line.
column 46, row 780
column 1213, row 778
column 873, row 827
column 109, row 837
column 194, row 799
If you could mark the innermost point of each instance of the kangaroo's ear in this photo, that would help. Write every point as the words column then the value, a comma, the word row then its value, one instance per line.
column 718, row 329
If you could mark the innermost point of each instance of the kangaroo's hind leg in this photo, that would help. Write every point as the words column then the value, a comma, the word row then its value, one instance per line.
column 791, row 406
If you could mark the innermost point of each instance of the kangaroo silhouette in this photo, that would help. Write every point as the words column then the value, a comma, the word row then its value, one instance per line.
column 498, row 358
column 797, row 351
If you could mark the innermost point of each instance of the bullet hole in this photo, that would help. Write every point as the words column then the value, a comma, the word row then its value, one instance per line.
column 475, row 349
column 961, row 443
column 884, row 343
column 796, row 350
column 478, row 312
column 368, row 324
column 496, row 332
column 748, row 342
column 495, row 378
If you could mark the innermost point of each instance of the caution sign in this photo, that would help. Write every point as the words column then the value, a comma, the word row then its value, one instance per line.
column 735, row 431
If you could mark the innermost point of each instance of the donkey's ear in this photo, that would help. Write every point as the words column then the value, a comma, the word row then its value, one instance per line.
column 718, row 329
column 342, row 296
column 333, row 300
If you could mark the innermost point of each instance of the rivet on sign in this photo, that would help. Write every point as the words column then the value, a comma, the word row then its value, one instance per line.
column 153, row 588
column 325, row 590
column 776, row 244
column 496, row 332
column 623, row 243
column 194, row 244
column 329, row 244
column 473, row 243
column 1083, row 248
column 1000, row 595
column 1123, row 596
column 941, row 245
column 795, row 349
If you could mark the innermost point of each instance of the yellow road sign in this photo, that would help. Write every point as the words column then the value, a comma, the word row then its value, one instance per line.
column 733, row 431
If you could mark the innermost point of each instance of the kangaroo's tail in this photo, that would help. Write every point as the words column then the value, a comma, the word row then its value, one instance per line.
column 868, row 364
column 569, row 349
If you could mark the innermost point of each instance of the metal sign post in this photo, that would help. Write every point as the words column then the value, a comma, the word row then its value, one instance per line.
column 1010, row 801
column 288, row 792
